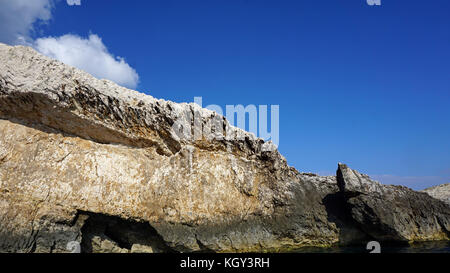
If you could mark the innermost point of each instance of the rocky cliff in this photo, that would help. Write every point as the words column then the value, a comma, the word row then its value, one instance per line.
column 84, row 160
column 392, row 213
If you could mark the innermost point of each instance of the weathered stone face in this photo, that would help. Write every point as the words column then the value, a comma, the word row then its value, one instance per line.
column 85, row 145
column 441, row 192
column 85, row 160
column 393, row 213
column 49, row 168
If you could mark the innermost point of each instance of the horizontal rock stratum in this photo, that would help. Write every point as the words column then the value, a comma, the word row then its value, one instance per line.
column 85, row 160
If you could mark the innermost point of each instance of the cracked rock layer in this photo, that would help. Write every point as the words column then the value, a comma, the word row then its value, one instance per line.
column 85, row 160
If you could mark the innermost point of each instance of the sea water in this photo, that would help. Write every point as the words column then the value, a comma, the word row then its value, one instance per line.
column 423, row 247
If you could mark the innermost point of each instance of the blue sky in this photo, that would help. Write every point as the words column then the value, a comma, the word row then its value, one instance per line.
column 365, row 85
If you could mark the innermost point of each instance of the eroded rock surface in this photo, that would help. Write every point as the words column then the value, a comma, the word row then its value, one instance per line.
column 85, row 160
column 393, row 213
column 441, row 192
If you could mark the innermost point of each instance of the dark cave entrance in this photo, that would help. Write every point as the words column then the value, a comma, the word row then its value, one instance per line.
column 103, row 233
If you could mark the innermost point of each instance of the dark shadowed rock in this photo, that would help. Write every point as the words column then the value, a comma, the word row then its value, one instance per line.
column 393, row 213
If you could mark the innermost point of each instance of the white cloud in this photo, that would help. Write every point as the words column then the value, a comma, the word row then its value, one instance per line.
column 18, row 16
column 18, row 19
column 90, row 55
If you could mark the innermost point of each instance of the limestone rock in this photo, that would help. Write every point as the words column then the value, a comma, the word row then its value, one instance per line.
column 393, row 213
column 137, row 248
column 441, row 192
column 85, row 160
column 72, row 145
column 105, row 245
